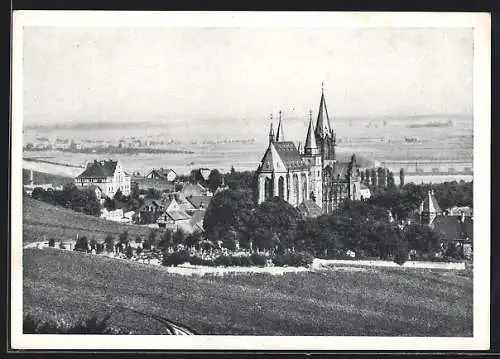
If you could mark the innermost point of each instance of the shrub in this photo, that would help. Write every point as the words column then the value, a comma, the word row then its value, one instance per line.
column 175, row 258
column 82, row 244
column 52, row 242
column 99, row 248
column 224, row 260
column 109, row 243
column 146, row 244
column 400, row 257
column 258, row 259
column 293, row 259
column 129, row 252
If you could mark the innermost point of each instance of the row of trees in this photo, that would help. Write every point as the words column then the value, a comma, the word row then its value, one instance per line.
column 379, row 178
column 363, row 227
column 70, row 197
column 403, row 202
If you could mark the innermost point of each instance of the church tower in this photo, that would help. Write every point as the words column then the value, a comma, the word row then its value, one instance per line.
column 313, row 157
column 325, row 136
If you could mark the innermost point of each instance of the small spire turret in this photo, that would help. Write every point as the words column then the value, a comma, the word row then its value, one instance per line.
column 310, row 147
column 280, row 136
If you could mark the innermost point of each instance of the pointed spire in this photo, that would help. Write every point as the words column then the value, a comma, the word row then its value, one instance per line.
column 323, row 126
column 280, row 137
column 310, row 147
column 271, row 133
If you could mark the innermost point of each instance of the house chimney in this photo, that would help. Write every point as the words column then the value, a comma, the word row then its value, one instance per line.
column 462, row 217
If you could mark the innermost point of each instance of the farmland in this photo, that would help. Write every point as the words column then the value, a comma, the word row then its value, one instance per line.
column 41, row 178
column 378, row 301
column 41, row 219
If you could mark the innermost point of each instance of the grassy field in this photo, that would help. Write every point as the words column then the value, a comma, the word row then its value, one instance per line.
column 41, row 178
column 42, row 219
column 381, row 302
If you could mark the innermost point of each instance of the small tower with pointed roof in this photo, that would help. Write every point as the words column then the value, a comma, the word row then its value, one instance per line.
column 325, row 136
column 271, row 134
column 280, row 136
column 429, row 209
column 313, row 156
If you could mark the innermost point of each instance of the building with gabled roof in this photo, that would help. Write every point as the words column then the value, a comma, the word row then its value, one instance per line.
column 313, row 173
column 429, row 208
column 109, row 176
column 167, row 174
column 310, row 209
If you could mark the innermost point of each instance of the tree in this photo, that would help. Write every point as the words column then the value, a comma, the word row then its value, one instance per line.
column 279, row 218
column 214, row 180
column 167, row 240
column 178, row 237
column 109, row 243
column 382, row 178
column 82, row 244
column 231, row 208
column 109, row 204
column 52, row 242
column 153, row 193
column 123, row 238
column 367, row 177
column 401, row 178
column 229, row 239
column 134, row 190
column 138, row 239
column 39, row 194
column 422, row 239
column 390, row 181
column 93, row 244
column 373, row 182
column 193, row 239
column 129, row 252
column 153, row 238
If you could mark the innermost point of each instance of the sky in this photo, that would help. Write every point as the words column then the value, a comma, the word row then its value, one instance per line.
column 120, row 74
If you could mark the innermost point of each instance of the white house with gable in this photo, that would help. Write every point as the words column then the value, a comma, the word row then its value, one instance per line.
column 109, row 176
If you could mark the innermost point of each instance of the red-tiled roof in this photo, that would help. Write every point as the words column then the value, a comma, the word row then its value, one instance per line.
column 99, row 169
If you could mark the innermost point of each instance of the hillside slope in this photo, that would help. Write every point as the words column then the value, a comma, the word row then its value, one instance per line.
column 384, row 302
column 42, row 219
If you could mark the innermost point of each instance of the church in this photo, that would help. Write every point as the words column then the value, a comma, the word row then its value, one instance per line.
column 311, row 175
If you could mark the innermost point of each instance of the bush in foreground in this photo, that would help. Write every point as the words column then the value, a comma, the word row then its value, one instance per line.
column 293, row 259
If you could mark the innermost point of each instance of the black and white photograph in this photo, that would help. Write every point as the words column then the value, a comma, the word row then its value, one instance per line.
column 250, row 180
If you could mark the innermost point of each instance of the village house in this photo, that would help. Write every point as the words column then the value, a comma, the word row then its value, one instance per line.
column 98, row 193
column 455, row 230
column 115, row 215
column 205, row 172
column 109, row 176
column 162, row 174
column 173, row 217
column 189, row 189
